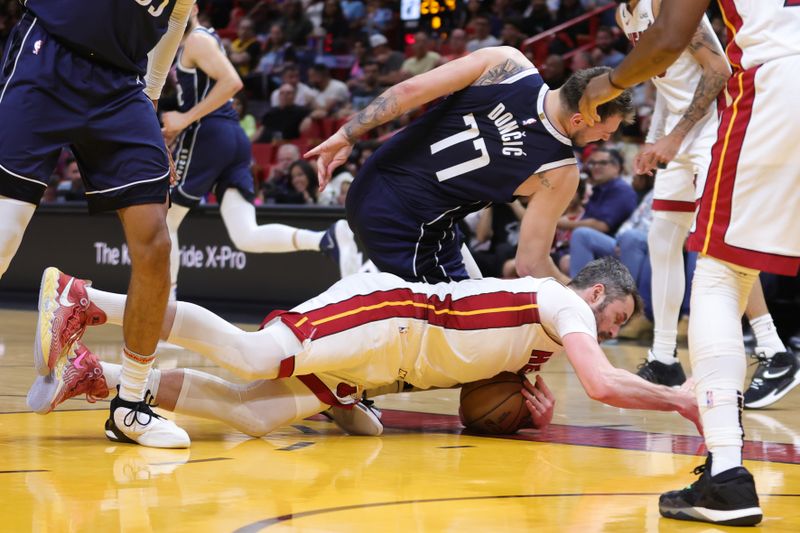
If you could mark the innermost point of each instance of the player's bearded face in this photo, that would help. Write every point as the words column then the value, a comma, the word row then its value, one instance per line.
column 602, row 131
column 611, row 315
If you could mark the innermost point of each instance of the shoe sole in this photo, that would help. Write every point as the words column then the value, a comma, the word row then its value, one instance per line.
column 348, row 251
column 773, row 397
column 739, row 517
column 42, row 392
column 48, row 304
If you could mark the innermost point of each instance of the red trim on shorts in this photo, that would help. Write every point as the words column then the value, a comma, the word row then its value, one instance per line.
column 673, row 205
column 733, row 23
column 321, row 391
column 286, row 368
column 481, row 311
column 714, row 215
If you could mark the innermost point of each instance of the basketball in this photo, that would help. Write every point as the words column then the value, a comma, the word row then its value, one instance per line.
column 493, row 406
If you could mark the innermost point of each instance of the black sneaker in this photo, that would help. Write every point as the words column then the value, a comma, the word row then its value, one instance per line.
column 659, row 373
column 728, row 499
column 773, row 379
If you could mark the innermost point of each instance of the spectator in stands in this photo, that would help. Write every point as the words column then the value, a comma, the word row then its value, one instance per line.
column 604, row 53
column 500, row 12
column 278, row 53
column 361, row 54
column 496, row 237
column 246, row 120
column 303, row 185
column 568, row 10
column 331, row 94
column 354, row 11
column 553, row 72
column 580, row 61
column 305, row 96
column 278, row 182
column 511, row 34
column 536, row 18
column 390, row 61
column 286, row 121
column 457, row 45
column 612, row 199
column 245, row 49
column 422, row 59
column 71, row 188
column 379, row 18
column 334, row 21
column 482, row 37
column 365, row 90
column 296, row 25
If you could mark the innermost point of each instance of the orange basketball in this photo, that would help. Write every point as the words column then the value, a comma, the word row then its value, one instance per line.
column 493, row 406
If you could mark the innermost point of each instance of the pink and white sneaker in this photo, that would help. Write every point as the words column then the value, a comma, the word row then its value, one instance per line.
column 71, row 377
column 64, row 313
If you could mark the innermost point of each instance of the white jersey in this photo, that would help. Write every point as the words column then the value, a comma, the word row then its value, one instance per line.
column 677, row 85
column 370, row 330
column 760, row 30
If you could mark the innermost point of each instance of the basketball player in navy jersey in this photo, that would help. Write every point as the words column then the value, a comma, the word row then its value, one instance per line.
column 77, row 74
column 214, row 152
column 500, row 134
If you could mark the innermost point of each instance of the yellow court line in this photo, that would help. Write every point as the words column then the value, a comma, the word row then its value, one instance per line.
column 722, row 163
column 421, row 305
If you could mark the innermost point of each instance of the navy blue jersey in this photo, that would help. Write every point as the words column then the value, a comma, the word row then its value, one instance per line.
column 476, row 147
column 119, row 33
column 194, row 85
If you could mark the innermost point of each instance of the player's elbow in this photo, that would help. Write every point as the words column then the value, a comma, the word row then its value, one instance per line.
column 599, row 391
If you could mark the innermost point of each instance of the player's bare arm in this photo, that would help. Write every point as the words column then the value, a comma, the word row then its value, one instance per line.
column 658, row 48
column 408, row 95
column 549, row 195
column 202, row 52
column 499, row 73
column 620, row 388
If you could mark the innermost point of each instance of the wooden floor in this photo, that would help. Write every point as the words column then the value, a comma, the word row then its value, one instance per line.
column 596, row 469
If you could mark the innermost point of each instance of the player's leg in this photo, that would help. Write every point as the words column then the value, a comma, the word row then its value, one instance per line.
column 778, row 369
column 665, row 240
column 14, row 218
column 175, row 216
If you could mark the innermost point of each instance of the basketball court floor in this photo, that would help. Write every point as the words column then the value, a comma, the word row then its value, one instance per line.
column 597, row 468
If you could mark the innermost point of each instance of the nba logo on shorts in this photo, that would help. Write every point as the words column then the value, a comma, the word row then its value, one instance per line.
column 36, row 47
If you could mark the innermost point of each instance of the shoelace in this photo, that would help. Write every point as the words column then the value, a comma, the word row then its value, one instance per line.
column 142, row 407
column 76, row 322
column 645, row 371
column 762, row 361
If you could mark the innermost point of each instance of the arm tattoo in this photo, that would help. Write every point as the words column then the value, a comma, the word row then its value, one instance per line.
column 501, row 72
column 710, row 84
column 381, row 110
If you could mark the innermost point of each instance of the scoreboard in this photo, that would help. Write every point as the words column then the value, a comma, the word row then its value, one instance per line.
column 430, row 15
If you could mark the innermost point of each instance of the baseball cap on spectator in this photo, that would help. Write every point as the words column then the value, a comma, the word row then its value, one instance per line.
column 376, row 40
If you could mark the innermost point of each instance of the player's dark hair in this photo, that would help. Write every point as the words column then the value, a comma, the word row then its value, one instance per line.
column 614, row 276
column 573, row 88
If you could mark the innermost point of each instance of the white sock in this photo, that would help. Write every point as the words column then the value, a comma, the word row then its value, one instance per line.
column 251, row 355
column 767, row 334
column 14, row 218
column 254, row 408
column 239, row 217
column 665, row 240
column 112, row 304
column 133, row 378
column 719, row 296
column 112, row 373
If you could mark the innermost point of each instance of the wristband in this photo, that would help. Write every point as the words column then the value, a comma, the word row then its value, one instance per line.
column 611, row 81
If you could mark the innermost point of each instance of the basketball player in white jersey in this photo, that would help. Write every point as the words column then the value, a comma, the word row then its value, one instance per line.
column 370, row 330
column 747, row 220
column 682, row 130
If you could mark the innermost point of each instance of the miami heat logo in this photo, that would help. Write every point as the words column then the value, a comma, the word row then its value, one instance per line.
column 36, row 47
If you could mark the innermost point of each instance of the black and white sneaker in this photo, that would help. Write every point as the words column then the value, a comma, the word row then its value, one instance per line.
column 773, row 379
column 136, row 423
column 728, row 499
column 659, row 373
column 362, row 419
column 339, row 244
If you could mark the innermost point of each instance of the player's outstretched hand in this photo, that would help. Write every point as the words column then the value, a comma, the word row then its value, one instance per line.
column 330, row 154
column 539, row 401
column 598, row 91
column 656, row 155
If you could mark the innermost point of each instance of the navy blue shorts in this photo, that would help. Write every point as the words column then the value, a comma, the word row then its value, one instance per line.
column 415, row 246
column 51, row 97
column 214, row 153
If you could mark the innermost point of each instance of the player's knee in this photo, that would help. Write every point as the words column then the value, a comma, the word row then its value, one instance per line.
column 581, row 235
column 152, row 248
column 256, row 426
